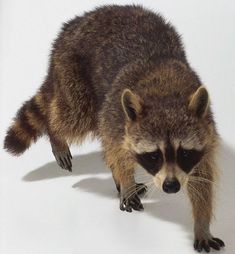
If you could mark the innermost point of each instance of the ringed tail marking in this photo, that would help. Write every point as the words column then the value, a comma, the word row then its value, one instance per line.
column 27, row 126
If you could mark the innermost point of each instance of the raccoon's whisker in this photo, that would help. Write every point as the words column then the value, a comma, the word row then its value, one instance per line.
column 153, row 189
column 200, row 172
column 196, row 191
column 134, row 189
column 191, row 138
column 200, row 176
column 200, row 182
column 191, row 188
column 142, row 175
column 200, row 179
column 131, row 187
column 130, row 194
column 150, row 186
column 205, row 192
column 143, row 179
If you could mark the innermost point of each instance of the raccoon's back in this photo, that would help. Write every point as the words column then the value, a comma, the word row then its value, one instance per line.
column 118, row 35
column 104, row 41
column 110, row 37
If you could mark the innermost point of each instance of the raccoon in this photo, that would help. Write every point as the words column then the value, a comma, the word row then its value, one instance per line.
column 120, row 73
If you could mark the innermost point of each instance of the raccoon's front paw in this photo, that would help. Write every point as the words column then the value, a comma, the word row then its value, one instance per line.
column 141, row 189
column 207, row 243
column 63, row 159
column 129, row 203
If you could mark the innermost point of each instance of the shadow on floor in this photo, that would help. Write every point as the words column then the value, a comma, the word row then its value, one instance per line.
column 83, row 164
column 173, row 208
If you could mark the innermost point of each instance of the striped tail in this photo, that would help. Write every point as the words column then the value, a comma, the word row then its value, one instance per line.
column 28, row 125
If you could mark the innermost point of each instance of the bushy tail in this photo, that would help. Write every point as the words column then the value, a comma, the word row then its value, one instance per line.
column 27, row 126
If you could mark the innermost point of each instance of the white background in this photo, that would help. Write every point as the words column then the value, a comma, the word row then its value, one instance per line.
column 46, row 210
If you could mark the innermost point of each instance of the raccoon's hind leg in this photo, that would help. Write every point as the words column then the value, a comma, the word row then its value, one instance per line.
column 122, row 167
column 73, row 106
column 62, row 153
column 67, row 123
column 200, row 191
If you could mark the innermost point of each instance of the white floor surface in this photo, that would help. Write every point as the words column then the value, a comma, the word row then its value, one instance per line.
column 45, row 210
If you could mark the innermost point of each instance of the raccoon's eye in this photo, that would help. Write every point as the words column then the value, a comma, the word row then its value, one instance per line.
column 152, row 156
column 185, row 153
column 151, row 161
column 187, row 159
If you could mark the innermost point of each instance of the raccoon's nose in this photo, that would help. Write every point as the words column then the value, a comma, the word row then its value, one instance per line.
column 171, row 185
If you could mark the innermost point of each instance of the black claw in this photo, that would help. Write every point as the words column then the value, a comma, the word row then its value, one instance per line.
column 196, row 244
column 61, row 163
column 122, row 207
column 118, row 188
column 137, row 205
column 199, row 248
column 207, row 244
column 132, row 202
column 207, row 248
column 129, row 209
column 69, row 161
column 219, row 241
column 64, row 162
column 125, row 207
column 213, row 244
column 64, row 159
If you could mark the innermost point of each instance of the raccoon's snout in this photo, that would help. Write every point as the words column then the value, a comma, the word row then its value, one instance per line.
column 171, row 185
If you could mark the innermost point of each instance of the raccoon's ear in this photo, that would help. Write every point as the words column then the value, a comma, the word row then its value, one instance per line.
column 131, row 103
column 199, row 102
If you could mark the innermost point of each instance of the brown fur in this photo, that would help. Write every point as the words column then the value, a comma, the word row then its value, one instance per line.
column 120, row 73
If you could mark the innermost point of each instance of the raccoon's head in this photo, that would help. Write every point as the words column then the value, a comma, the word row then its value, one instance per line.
column 168, row 135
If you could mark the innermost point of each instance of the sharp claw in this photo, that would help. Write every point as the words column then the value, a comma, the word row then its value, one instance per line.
column 61, row 162
column 128, row 208
column 219, row 241
column 213, row 244
column 69, row 154
column 64, row 159
column 141, row 207
column 199, row 248
column 207, row 244
column 67, row 166
column 122, row 208
column 136, row 208
column 206, row 247
column 64, row 162
column 69, row 161
column 131, row 203
column 196, row 244
column 136, row 204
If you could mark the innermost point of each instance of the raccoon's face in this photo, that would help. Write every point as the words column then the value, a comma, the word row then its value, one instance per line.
column 168, row 139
